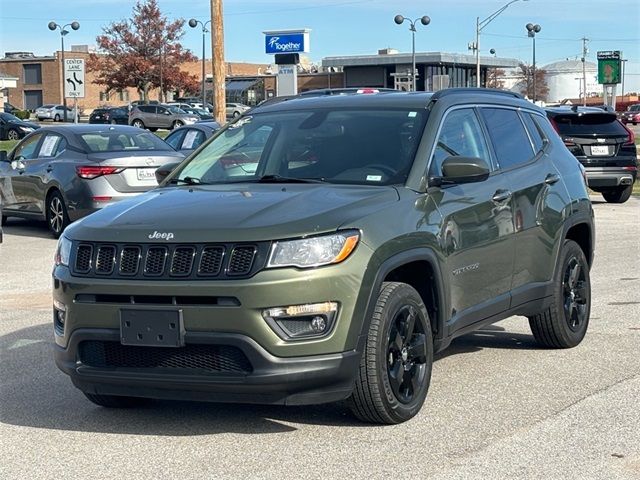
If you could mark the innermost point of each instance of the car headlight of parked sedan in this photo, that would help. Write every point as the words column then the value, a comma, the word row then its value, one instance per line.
column 313, row 251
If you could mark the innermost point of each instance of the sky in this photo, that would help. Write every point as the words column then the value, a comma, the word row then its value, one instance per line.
column 351, row 27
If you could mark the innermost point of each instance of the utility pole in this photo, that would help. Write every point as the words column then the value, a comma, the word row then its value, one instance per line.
column 217, row 58
column 585, row 50
column 623, row 61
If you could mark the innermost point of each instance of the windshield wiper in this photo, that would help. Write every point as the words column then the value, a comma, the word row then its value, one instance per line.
column 188, row 181
column 281, row 179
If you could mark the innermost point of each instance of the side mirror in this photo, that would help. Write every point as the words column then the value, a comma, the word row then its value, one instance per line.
column 3, row 156
column 163, row 171
column 461, row 170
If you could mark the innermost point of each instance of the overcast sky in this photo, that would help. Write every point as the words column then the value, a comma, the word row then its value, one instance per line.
column 346, row 27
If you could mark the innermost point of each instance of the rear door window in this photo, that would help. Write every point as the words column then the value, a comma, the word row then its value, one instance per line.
column 589, row 124
column 508, row 137
column 52, row 145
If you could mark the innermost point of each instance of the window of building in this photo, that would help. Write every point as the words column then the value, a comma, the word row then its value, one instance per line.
column 104, row 96
column 123, row 95
column 32, row 73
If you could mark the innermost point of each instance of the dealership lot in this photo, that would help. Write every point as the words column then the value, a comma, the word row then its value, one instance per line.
column 498, row 405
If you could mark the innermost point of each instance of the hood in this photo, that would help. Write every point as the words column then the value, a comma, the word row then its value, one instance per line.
column 22, row 123
column 232, row 213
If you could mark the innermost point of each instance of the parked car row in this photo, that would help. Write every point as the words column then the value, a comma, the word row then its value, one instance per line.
column 55, row 112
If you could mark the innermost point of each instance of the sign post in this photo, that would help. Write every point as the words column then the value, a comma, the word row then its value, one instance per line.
column 286, row 45
column 609, row 75
column 74, row 82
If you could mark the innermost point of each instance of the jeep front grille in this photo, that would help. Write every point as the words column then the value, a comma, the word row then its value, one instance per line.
column 152, row 261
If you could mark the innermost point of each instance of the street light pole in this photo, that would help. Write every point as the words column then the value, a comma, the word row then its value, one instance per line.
column 479, row 27
column 531, row 32
column 193, row 23
column 425, row 20
column 75, row 26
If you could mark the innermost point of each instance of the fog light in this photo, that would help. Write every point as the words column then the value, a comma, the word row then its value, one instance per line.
column 302, row 321
column 59, row 316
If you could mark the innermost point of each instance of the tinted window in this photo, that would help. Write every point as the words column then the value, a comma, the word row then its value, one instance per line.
column 32, row 74
column 364, row 147
column 175, row 138
column 147, row 108
column 508, row 137
column 534, row 132
column 27, row 149
column 173, row 109
column 589, row 124
column 460, row 135
column 113, row 141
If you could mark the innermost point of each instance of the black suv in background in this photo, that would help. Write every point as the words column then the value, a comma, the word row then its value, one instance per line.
column 112, row 115
column 603, row 145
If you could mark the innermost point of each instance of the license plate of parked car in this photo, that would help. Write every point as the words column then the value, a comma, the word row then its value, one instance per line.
column 146, row 173
column 599, row 150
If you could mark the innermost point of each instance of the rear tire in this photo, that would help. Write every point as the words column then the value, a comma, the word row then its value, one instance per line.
column 113, row 122
column 115, row 401
column 564, row 324
column 57, row 217
column 395, row 368
column 3, row 221
column 57, row 118
column 618, row 195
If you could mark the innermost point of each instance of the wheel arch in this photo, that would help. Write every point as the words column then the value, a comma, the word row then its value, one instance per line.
column 419, row 268
column 582, row 233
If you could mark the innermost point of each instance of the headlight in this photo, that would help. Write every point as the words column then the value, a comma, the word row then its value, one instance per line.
column 63, row 252
column 26, row 129
column 313, row 251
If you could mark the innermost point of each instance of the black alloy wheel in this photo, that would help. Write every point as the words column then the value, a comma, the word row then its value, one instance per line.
column 406, row 354
column 575, row 295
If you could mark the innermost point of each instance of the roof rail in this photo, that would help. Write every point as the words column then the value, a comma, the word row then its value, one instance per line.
column 483, row 91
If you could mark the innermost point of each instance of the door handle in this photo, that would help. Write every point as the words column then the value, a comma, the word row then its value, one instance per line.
column 501, row 196
column 551, row 178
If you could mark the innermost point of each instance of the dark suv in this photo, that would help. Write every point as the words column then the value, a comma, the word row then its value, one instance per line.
column 325, row 248
column 603, row 145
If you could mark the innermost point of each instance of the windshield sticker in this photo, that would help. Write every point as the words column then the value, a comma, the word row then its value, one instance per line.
column 240, row 123
column 189, row 139
column 412, row 114
column 48, row 146
column 374, row 178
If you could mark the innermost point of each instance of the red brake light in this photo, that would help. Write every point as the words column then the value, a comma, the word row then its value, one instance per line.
column 368, row 90
column 89, row 172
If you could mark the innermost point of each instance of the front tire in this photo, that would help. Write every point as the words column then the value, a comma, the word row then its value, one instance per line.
column 178, row 124
column 564, row 324
column 618, row 195
column 57, row 118
column 395, row 368
column 138, row 123
column 13, row 134
column 57, row 217
column 115, row 401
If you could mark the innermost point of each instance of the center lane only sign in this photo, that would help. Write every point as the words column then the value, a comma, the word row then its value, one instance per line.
column 74, row 78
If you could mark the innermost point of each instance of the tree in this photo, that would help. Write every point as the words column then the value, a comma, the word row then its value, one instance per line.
column 525, row 81
column 142, row 52
column 495, row 78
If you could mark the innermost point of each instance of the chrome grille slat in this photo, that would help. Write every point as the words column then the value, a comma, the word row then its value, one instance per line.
column 84, row 256
column 211, row 261
column 241, row 260
column 155, row 261
column 182, row 261
column 129, row 260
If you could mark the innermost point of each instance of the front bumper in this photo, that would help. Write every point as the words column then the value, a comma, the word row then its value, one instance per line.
column 272, row 380
column 609, row 177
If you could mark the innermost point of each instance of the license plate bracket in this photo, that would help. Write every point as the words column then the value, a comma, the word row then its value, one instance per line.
column 145, row 174
column 152, row 328
column 601, row 150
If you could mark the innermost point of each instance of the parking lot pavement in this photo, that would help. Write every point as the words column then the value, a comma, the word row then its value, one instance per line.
column 499, row 406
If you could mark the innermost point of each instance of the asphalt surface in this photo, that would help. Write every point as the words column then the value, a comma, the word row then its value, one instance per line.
column 499, row 406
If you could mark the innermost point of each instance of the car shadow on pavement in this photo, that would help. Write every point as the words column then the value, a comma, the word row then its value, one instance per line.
column 26, row 228
column 491, row 336
column 34, row 393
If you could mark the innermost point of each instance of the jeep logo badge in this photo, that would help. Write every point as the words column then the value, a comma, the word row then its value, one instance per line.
column 161, row 236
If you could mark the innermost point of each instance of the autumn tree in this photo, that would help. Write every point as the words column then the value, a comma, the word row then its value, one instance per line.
column 495, row 78
column 525, row 81
column 143, row 52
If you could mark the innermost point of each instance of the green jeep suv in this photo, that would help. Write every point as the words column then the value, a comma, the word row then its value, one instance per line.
column 324, row 248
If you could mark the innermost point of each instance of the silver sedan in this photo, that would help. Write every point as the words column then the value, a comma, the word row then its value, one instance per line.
column 61, row 174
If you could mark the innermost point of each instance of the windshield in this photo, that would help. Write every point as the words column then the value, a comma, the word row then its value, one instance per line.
column 589, row 124
column 363, row 147
column 118, row 141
